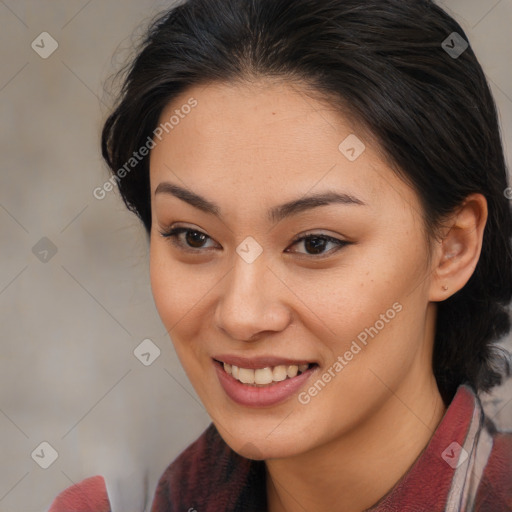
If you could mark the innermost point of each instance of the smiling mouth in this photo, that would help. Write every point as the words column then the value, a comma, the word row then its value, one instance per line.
column 264, row 377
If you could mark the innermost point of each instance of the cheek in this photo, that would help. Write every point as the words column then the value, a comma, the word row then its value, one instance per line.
column 165, row 287
column 369, row 300
column 182, row 293
column 173, row 292
column 175, row 299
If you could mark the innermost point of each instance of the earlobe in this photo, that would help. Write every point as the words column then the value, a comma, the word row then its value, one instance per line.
column 460, row 248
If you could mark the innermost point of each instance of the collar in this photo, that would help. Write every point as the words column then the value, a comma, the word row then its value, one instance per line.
column 447, row 473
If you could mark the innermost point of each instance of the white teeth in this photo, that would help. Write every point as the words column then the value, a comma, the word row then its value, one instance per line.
column 292, row 371
column 279, row 373
column 264, row 376
column 246, row 375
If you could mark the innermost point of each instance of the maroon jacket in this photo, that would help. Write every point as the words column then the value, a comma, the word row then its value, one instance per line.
column 466, row 467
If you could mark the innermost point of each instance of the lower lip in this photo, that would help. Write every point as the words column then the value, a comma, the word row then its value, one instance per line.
column 253, row 396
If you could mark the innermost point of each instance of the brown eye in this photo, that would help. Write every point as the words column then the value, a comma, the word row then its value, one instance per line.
column 195, row 238
column 192, row 241
column 316, row 244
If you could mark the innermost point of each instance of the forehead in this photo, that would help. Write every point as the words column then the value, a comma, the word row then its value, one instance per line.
column 269, row 141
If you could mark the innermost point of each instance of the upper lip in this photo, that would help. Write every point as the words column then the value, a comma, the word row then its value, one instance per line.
column 257, row 362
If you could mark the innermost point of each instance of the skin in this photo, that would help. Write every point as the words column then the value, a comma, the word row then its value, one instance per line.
column 247, row 148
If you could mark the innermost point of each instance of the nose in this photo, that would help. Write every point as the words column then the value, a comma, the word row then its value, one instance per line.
column 253, row 302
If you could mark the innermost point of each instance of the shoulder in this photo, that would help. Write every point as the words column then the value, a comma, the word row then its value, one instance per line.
column 89, row 495
column 206, row 467
column 488, row 482
column 495, row 489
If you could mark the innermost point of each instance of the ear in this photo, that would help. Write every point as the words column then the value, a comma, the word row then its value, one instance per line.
column 458, row 251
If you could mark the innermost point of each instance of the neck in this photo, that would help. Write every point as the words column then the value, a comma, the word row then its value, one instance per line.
column 353, row 472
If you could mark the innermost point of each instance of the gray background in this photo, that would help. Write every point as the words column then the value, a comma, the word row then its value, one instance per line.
column 70, row 321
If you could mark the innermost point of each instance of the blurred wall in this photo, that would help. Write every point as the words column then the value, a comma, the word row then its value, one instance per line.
column 75, row 301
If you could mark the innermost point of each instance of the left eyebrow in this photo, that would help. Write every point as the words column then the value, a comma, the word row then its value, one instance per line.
column 275, row 214
column 278, row 213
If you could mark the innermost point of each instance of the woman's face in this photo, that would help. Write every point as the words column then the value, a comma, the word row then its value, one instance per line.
column 244, row 283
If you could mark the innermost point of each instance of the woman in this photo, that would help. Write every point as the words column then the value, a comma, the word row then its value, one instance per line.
column 323, row 185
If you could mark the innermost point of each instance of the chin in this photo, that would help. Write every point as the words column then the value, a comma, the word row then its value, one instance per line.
column 254, row 447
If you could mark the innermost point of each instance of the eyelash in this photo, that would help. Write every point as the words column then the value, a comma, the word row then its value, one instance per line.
column 172, row 236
